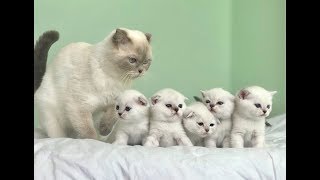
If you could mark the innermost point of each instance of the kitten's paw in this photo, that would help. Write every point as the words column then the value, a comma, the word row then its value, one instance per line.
column 151, row 142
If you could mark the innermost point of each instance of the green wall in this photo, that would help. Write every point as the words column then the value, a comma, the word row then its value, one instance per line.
column 193, row 41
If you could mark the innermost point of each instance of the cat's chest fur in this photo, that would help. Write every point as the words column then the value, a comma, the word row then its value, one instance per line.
column 168, row 130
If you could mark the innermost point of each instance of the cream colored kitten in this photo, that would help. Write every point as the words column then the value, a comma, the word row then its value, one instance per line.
column 165, row 122
column 84, row 79
column 199, row 123
column 252, row 105
column 221, row 104
column 133, row 119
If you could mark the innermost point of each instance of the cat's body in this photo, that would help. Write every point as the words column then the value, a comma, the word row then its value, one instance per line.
column 199, row 123
column 252, row 105
column 221, row 104
column 165, row 120
column 41, row 50
column 132, row 124
column 84, row 79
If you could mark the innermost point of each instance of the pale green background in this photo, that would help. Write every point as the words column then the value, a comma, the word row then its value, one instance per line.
column 196, row 44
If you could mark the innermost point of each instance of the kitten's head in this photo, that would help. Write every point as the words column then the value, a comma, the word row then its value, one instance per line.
column 131, row 52
column 131, row 105
column 219, row 102
column 198, row 120
column 254, row 102
column 168, row 104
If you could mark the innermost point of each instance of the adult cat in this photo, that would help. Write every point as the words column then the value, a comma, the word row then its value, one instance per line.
column 84, row 79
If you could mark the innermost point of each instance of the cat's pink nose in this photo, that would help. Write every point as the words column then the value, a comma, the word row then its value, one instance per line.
column 120, row 114
column 176, row 109
column 140, row 71
column 207, row 130
column 211, row 105
column 264, row 111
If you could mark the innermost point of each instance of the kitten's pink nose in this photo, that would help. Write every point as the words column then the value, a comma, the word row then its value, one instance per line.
column 140, row 71
column 211, row 105
column 207, row 130
column 264, row 111
column 176, row 109
column 120, row 114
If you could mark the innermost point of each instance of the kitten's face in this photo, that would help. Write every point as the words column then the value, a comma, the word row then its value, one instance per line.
column 254, row 101
column 168, row 104
column 132, row 52
column 131, row 105
column 219, row 102
column 198, row 120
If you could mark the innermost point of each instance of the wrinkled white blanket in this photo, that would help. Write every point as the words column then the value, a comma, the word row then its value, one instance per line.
column 78, row 159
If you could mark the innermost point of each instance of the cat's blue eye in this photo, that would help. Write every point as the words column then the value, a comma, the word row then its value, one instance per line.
column 220, row 102
column 117, row 107
column 180, row 105
column 200, row 124
column 207, row 101
column 211, row 124
column 168, row 105
column 258, row 105
column 128, row 108
column 268, row 106
column 132, row 60
column 145, row 62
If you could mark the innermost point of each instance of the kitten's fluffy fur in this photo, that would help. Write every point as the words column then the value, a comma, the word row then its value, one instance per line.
column 84, row 79
column 199, row 123
column 165, row 122
column 221, row 104
column 133, row 122
column 252, row 105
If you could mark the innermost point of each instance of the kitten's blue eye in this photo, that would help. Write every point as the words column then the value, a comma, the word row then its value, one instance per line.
column 207, row 101
column 168, row 105
column 268, row 106
column 200, row 124
column 117, row 107
column 132, row 60
column 220, row 102
column 258, row 105
column 180, row 105
column 128, row 108
column 146, row 62
column 212, row 124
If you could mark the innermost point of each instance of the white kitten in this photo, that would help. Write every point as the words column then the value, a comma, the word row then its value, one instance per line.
column 252, row 105
column 165, row 122
column 221, row 104
column 199, row 123
column 133, row 121
column 84, row 79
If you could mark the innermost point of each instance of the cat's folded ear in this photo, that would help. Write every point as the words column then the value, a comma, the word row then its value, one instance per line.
column 154, row 99
column 203, row 93
column 120, row 37
column 148, row 36
column 142, row 101
column 188, row 113
column 273, row 92
column 243, row 94
column 218, row 121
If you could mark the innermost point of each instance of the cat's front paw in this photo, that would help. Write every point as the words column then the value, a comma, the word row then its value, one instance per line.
column 151, row 142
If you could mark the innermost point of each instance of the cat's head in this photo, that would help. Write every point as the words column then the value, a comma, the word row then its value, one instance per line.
column 131, row 105
column 131, row 52
column 198, row 120
column 168, row 105
column 219, row 102
column 254, row 101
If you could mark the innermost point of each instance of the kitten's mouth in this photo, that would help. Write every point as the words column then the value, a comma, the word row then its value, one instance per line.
column 212, row 110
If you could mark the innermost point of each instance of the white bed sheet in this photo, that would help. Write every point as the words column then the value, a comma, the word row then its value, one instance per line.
column 65, row 158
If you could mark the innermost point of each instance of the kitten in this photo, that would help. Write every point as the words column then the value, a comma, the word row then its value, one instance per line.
column 84, row 79
column 133, row 122
column 165, row 122
column 221, row 104
column 199, row 123
column 40, row 55
column 252, row 105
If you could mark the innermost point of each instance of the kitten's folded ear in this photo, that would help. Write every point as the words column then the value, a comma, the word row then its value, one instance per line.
column 218, row 121
column 148, row 36
column 197, row 98
column 120, row 37
column 243, row 94
column 142, row 101
column 203, row 93
column 188, row 113
column 154, row 99
column 273, row 93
